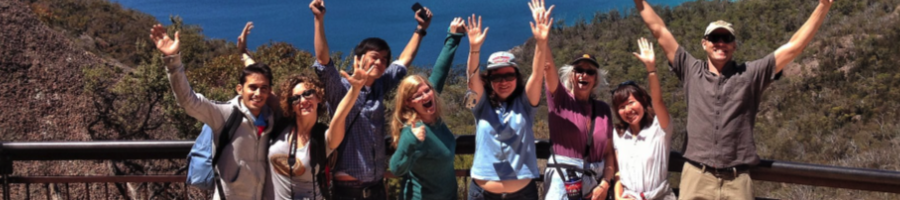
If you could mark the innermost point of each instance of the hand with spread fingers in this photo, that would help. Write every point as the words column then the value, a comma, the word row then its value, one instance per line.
column 361, row 68
column 242, row 39
column 476, row 36
column 458, row 25
column 423, row 23
column 166, row 45
column 542, row 21
column 318, row 8
column 646, row 56
column 418, row 131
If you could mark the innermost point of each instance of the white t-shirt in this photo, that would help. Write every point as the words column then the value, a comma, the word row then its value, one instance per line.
column 304, row 186
column 643, row 160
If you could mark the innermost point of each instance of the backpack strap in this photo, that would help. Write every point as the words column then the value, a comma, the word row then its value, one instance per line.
column 231, row 126
column 590, row 143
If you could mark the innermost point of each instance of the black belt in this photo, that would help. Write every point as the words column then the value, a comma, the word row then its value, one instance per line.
column 735, row 169
column 364, row 192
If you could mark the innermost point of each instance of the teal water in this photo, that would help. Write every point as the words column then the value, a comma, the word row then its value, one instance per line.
column 349, row 21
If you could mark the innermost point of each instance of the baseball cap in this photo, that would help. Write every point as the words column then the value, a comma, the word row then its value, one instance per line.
column 586, row 57
column 717, row 25
column 501, row 59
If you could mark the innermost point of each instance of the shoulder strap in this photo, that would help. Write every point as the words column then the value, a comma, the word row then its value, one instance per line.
column 231, row 125
column 590, row 141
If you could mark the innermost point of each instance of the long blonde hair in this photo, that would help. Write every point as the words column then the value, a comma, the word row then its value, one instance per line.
column 404, row 115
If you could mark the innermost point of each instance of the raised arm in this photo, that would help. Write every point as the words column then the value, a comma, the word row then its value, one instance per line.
column 658, row 28
column 337, row 128
column 787, row 52
column 409, row 53
column 476, row 39
column 194, row 104
column 649, row 59
column 242, row 45
column 321, row 44
column 551, row 76
column 443, row 63
column 540, row 28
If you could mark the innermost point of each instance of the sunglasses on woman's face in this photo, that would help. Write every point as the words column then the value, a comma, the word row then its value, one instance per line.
column 308, row 94
column 585, row 71
column 716, row 38
column 496, row 78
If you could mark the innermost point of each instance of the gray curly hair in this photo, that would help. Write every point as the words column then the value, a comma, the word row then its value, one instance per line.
column 566, row 74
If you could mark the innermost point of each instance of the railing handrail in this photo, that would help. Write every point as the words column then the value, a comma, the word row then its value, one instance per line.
column 767, row 170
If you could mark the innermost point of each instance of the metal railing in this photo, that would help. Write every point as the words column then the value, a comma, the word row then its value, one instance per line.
column 767, row 170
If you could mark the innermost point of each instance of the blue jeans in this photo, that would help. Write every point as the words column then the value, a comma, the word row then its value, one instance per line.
column 528, row 192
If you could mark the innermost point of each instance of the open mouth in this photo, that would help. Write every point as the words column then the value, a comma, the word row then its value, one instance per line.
column 429, row 104
column 582, row 83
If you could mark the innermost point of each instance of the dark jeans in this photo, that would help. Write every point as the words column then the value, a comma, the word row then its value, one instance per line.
column 530, row 191
column 371, row 192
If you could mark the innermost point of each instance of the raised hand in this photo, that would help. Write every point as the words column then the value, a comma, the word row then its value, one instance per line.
column 538, row 9
column 476, row 36
column 646, row 56
column 542, row 21
column 423, row 23
column 419, row 131
column 165, row 44
column 361, row 68
column 318, row 8
column 242, row 39
column 458, row 25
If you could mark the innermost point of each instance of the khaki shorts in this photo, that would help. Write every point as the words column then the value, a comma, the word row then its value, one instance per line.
column 699, row 184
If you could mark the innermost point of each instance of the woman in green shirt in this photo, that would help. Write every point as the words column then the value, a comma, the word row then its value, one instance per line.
column 425, row 146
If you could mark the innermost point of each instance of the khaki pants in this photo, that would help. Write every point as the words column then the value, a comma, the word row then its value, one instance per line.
column 699, row 184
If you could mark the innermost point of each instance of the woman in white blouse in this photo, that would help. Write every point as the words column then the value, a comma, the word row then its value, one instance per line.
column 642, row 137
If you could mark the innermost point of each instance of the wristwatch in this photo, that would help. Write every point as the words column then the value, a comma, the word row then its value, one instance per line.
column 421, row 32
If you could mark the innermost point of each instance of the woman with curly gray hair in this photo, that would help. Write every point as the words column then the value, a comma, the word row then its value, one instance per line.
column 582, row 165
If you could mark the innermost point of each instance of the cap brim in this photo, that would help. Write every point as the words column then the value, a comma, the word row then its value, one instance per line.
column 721, row 27
column 597, row 65
column 500, row 65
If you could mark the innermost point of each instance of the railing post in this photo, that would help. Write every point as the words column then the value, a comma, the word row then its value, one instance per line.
column 6, row 170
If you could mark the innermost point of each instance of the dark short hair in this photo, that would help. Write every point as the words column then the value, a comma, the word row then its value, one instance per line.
column 372, row 44
column 620, row 95
column 256, row 68
column 493, row 98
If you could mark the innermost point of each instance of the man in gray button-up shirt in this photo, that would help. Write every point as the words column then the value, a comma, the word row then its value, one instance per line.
column 723, row 98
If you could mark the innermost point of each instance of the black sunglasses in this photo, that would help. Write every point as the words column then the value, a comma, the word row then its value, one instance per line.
column 496, row 78
column 623, row 84
column 308, row 94
column 726, row 38
column 585, row 71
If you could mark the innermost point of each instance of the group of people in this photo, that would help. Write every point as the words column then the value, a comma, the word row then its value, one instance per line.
column 282, row 149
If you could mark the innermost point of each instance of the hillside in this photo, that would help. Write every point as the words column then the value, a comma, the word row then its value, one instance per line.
column 85, row 70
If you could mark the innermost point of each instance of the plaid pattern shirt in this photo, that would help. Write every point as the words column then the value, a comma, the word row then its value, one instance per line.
column 362, row 153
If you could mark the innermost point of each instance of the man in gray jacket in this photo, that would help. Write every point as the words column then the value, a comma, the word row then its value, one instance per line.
column 242, row 166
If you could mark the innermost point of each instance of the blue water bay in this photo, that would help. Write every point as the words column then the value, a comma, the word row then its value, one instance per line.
column 349, row 21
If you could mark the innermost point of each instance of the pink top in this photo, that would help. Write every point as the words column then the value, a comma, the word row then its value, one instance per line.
column 568, row 120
